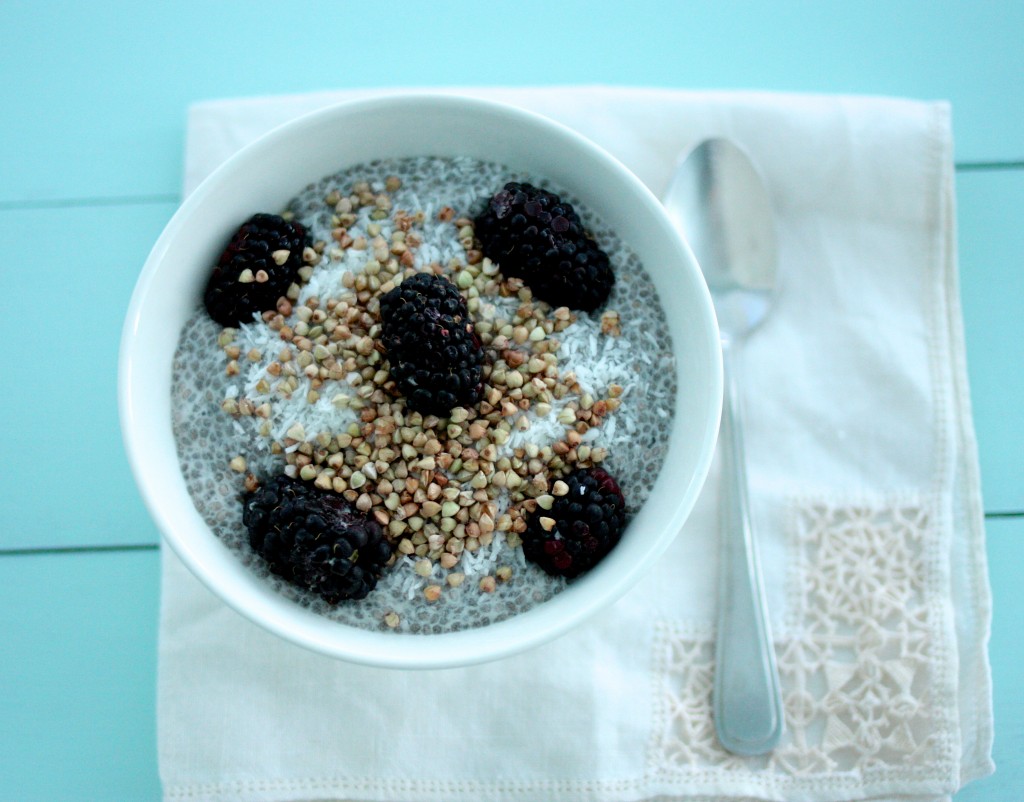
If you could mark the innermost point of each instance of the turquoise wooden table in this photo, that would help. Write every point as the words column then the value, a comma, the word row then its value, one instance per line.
column 94, row 98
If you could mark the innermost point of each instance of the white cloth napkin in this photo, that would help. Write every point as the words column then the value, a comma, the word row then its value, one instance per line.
column 865, row 490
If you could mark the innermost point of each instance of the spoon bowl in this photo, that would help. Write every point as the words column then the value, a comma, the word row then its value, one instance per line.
column 719, row 201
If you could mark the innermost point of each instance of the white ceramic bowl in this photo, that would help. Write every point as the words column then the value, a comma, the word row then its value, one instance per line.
column 264, row 176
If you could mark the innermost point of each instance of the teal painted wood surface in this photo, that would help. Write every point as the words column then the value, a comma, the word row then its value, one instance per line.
column 94, row 93
column 78, row 673
column 61, row 438
column 990, row 213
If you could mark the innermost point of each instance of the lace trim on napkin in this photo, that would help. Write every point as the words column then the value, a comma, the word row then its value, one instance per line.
column 864, row 689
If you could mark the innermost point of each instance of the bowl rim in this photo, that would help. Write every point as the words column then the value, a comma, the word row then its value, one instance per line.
column 388, row 649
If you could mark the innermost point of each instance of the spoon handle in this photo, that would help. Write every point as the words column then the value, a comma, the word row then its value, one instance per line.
column 746, row 696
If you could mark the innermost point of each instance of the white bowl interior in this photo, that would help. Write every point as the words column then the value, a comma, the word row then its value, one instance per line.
column 267, row 174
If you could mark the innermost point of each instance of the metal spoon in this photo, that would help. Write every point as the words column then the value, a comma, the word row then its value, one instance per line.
column 720, row 202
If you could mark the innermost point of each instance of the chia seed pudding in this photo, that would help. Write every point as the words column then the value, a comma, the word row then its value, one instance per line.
column 304, row 391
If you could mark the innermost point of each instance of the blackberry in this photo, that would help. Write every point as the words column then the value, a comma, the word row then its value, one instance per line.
column 232, row 298
column 435, row 356
column 534, row 235
column 588, row 521
column 315, row 540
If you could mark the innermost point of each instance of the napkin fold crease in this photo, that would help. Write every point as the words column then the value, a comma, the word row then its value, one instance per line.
column 865, row 493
